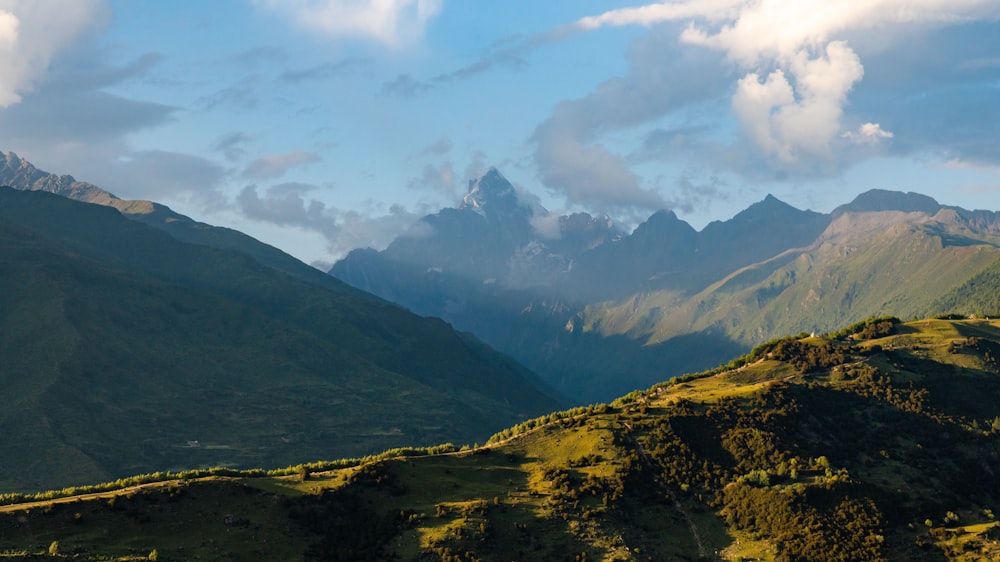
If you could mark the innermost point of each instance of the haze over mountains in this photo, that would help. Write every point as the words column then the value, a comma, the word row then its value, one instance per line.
column 598, row 312
column 134, row 340
column 595, row 311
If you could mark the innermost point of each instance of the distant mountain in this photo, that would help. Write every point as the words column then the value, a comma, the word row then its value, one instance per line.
column 126, row 350
column 22, row 175
column 620, row 311
column 877, row 444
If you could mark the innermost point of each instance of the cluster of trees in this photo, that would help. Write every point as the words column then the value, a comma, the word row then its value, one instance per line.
column 167, row 476
column 809, row 357
column 829, row 522
column 526, row 426
column 869, row 329
column 736, row 455
column 871, row 383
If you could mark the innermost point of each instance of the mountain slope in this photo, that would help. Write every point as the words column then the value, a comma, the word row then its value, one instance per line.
column 127, row 350
column 886, row 262
column 877, row 444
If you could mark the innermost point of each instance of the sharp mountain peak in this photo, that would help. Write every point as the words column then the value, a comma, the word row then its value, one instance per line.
column 489, row 191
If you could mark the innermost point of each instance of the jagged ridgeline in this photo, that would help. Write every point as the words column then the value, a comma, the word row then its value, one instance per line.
column 876, row 442
column 570, row 296
column 125, row 350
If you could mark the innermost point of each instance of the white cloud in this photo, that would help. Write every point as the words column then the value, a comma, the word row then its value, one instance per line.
column 795, row 111
column 391, row 22
column 868, row 133
column 794, row 122
column 33, row 33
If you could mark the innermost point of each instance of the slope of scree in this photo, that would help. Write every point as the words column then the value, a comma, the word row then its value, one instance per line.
column 878, row 442
column 125, row 350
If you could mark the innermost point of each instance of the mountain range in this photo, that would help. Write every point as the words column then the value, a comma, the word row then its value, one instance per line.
column 162, row 344
column 598, row 312
column 135, row 340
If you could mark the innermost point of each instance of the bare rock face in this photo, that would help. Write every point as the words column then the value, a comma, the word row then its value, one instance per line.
column 21, row 174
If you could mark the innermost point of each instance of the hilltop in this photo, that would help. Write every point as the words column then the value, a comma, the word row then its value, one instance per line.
column 877, row 442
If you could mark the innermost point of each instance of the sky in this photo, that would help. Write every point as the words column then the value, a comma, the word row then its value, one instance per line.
column 320, row 126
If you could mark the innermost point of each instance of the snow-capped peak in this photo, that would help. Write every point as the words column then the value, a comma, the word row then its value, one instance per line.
column 491, row 191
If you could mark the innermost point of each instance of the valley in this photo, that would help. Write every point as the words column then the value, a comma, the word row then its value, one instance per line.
column 445, row 281
column 182, row 364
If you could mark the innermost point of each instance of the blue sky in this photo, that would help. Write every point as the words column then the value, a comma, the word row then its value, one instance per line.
column 323, row 125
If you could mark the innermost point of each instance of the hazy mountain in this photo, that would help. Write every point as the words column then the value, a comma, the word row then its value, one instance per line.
column 624, row 311
column 126, row 350
column 877, row 444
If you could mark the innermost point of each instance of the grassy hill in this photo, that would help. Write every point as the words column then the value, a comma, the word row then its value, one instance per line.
column 125, row 350
column 878, row 442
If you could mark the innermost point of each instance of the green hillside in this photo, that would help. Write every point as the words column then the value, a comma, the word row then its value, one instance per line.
column 864, row 264
column 124, row 350
column 875, row 443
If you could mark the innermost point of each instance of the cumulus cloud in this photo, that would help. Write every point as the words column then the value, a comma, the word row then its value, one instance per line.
column 391, row 22
column 289, row 205
column 790, row 124
column 798, row 70
column 276, row 165
column 33, row 33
